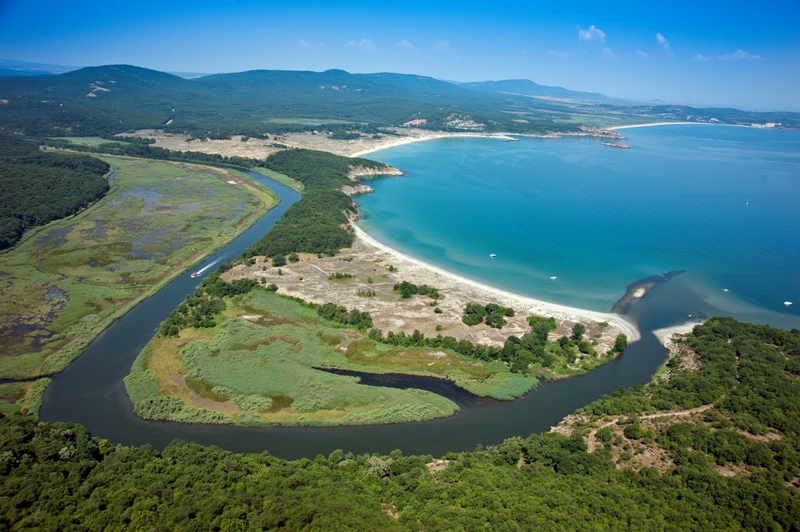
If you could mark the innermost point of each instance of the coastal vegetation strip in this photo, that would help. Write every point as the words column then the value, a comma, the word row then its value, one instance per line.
column 64, row 287
column 318, row 223
column 360, row 278
column 733, row 465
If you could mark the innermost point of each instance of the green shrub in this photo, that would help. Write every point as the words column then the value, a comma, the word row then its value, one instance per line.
column 604, row 435
column 254, row 403
column 492, row 314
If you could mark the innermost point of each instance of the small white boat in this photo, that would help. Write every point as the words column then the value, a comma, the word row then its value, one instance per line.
column 195, row 274
column 492, row 255
column 725, row 290
column 553, row 278
column 787, row 303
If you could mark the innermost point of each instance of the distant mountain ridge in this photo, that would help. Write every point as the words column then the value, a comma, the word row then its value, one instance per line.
column 9, row 68
column 527, row 87
column 114, row 98
column 111, row 99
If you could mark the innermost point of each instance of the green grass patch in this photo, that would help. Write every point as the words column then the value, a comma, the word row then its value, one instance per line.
column 23, row 397
column 320, row 121
column 88, row 141
column 280, row 178
column 266, row 365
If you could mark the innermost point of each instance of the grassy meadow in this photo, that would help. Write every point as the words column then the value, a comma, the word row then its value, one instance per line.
column 280, row 178
column 67, row 281
column 87, row 141
column 257, row 366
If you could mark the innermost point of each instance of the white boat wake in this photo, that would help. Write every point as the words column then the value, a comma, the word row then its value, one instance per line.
column 202, row 270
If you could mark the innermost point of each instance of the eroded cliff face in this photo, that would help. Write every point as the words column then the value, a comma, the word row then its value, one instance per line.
column 357, row 190
column 360, row 171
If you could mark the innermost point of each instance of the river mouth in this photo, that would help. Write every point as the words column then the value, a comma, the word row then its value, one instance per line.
column 91, row 391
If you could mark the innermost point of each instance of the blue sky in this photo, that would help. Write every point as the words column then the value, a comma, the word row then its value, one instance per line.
column 742, row 54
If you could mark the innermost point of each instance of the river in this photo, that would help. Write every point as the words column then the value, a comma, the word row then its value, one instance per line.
column 91, row 390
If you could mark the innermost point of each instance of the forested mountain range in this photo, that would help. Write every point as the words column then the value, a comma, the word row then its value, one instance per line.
column 111, row 99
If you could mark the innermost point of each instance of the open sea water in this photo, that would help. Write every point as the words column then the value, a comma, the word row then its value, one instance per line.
column 722, row 203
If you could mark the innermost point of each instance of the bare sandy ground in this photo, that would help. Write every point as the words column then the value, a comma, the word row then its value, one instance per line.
column 368, row 260
column 253, row 148
column 420, row 135
column 665, row 335
column 260, row 149
column 526, row 306
column 653, row 124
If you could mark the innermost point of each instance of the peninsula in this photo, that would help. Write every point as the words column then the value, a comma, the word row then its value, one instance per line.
column 237, row 352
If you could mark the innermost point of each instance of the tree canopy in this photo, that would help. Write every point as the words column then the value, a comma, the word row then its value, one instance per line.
column 318, row 223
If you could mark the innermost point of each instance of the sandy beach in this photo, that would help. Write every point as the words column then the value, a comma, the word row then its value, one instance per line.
column 527, row 304
column 367, row 283
column 653, row 124
column 260, row 149
column 665, row 335
column 418, row 137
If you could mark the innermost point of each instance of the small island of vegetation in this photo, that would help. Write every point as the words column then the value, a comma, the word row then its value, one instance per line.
column 234, row 343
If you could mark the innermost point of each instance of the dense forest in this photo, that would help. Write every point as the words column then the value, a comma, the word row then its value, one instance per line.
column 318, row 222
column 37, row 187
column 57, row 477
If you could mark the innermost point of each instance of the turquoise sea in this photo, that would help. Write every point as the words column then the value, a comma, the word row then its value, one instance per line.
column 721, row 203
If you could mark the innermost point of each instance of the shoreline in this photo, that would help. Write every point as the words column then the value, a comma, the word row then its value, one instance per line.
column 441, row 135
column 410, row 139
column 666, row 334
column 535, row 306
column 654, row 124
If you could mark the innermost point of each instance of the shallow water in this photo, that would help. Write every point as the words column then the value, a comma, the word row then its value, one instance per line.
column 718, row 202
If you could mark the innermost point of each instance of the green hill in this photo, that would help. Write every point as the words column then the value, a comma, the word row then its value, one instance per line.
column 111, row 99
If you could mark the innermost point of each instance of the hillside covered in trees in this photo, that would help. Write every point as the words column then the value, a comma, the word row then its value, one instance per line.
column 111, row 99
column 37, row 187
column 56, row 476
column 318, row 222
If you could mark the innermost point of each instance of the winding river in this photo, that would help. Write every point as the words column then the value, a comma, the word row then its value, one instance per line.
column 91, row 391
